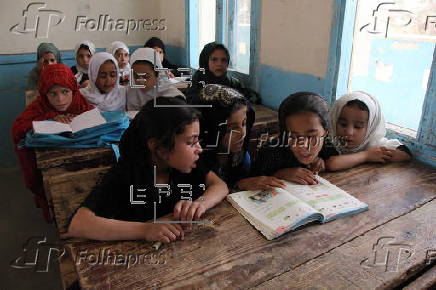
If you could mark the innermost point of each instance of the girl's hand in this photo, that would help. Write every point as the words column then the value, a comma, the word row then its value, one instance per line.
column 170, row 74
column 84, row 84
column 379, row 154
column 186, row 210
column 297, row 174
column 317, row 166
column 64, row 118
column 161, row 232
column 260, row 182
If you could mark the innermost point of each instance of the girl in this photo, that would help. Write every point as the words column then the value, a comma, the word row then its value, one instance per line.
column 158, row 45
column 299, row 153
column 104, row 91
column 159, row 149
column 215, row 59
column 59, row 99
column 154, row 84
column 358, row 119
column 121, row 53
column 46, row 54
column 83, row 53
column 225, row 133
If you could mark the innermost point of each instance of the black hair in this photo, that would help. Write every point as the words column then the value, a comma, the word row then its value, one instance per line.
column 207, row 51
column 83, row 46
column 358, row 104
column 155, row 42
column 161, row 123
column 150, row 64
column 303, row 102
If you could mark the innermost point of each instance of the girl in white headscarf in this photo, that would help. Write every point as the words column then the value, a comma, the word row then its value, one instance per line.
column 104, row 91
column 121, row 53
column 144, row 62
column 358, row 129
column 83, row 53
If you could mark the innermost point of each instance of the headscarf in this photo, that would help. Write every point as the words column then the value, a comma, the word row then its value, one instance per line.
column 376, row 130
column 32, row 79
column 81, row 70
column 112, row 49
column 136, row 98
column 38, row 110
column 115, row 100
column 45, row 47
column 222, row 100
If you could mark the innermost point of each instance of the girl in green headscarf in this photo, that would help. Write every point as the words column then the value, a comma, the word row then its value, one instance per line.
column 46, row 54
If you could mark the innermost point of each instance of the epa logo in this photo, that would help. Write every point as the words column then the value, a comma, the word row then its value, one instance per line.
column 38, row 19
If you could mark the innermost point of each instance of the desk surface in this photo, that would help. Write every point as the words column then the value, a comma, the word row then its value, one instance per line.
column 347, row 253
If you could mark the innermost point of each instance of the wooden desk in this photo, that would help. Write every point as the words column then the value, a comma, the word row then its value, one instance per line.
column 230, row 253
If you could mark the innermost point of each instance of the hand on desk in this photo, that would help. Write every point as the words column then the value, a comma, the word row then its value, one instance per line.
column 260, row 183
column 297, row 174
column 163, row 232
column 186, row 210
column 64, row 118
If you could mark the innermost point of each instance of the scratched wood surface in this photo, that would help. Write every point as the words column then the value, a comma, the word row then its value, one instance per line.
column 230, row 253
column 68, row 190
column 384, row 257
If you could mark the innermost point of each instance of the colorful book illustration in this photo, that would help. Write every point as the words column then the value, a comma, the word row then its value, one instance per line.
column 275, row 212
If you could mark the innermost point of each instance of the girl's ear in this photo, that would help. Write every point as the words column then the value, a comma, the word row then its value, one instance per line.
column 152, row 144
column 154, row 148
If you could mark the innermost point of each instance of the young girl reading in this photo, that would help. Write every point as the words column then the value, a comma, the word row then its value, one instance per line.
column 59, row 99
column 225, row 131
column 104, row 91
column 83, row 53
column 357, row 119
column 158, row 169
column 144, row 63
column 300, row 151
column 46, row 54
column 121, row 53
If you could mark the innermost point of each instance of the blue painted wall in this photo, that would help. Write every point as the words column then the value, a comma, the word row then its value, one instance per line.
column 401, row 98
column 13, row 80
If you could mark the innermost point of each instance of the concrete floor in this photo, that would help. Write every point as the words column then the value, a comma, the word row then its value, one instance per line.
column 19, row 221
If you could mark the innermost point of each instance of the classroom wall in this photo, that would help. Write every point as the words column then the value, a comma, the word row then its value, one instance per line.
column 294, row 47
column 71, row 21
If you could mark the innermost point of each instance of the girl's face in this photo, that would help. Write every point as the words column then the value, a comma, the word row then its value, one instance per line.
column 122, row 57
column 218, row 62
column 352, row 125
column 60, row 98
column 48, row 58
column 83, row 57
column 187, row 149
column 143, row 74
column 107, row 77
column 234, row 138
column 159, row 52
column 306, row 136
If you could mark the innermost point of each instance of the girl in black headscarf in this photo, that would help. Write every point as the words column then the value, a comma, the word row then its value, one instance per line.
column 158, row 171
column 225, row 134
column 158, row 45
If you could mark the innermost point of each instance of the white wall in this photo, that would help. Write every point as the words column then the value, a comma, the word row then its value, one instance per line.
column 295, row 35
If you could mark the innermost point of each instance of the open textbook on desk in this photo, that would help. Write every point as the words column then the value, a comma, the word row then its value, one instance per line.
column 275, row 212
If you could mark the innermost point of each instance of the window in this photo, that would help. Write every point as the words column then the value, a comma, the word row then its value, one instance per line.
column 225, row 21
column 392, row 54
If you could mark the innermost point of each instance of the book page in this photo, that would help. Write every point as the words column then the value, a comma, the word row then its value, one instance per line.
column 275, row 209
column 86, row 120
column 50, row 127
column 331, row 201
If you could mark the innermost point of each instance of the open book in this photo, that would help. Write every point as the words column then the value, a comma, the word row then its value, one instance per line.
column 278, row 211
column 85, row 120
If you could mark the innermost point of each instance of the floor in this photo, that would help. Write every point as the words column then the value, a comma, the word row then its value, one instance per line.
column 19, row 221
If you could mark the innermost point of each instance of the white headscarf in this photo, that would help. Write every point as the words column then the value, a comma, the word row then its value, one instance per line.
column 81, row 70
column 376, row 130
column 136, row 98
column 112, row 49
column 115, row 100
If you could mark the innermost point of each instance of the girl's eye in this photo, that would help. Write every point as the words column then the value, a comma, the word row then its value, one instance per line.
column 358, row 127
column 113, row 74
column 65, row 92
